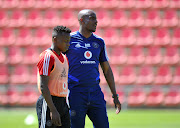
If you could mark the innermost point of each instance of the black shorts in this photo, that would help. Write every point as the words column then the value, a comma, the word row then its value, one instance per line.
column 43, row 112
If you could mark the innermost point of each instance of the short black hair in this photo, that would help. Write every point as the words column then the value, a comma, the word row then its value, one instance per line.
column 59, row 30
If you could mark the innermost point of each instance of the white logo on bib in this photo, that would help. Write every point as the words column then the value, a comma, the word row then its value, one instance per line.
column 64, row 85
column 87, row 54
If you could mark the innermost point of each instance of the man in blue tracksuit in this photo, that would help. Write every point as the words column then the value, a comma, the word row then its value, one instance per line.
column 85, row 53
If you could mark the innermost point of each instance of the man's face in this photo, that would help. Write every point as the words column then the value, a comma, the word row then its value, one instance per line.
column 90, row 22
column 63, row 42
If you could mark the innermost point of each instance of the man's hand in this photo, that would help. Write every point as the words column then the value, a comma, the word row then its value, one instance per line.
column 117, row 104
column 55, row 117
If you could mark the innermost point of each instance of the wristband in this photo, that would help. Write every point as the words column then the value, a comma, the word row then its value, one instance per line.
column 114, row 96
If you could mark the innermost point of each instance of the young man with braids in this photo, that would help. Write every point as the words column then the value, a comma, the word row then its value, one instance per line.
column 51, row 107
column 86, row 52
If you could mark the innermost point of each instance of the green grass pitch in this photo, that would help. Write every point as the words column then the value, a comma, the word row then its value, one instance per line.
column 130, row 118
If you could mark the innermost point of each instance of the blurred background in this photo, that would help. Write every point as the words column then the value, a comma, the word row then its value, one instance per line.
column 142, row 39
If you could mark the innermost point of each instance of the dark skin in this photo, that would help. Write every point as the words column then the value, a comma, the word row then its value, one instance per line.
column 60, row 44
column 88, row 22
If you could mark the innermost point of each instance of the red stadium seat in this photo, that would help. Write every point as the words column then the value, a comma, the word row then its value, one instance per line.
column 170, row 18
column 19, row 75
column 93, row 4
column 155, row 97
column 160, row 4
column 33, row 75
column 34, row 18
column 9, row 4
column 42, row 37
column 175, row 39
column 42, row 4
column 17, row 19
column 176, row 76
column 126, row 4
column 171, row 56
column 172, row 97
column 163, row 75
column 51, row 18
column 68, row 18
column 154, row 56
column 60, row 4
column 127, row 37
column 136, row 97
column 118, row 56
column 145, row 37
column 3, row 56
column 4, row 74
column 111, row 37
column 136, row 56
column 28, row 97
column 76, row 4
column 143, row 4
column 145, row 76
column 4, row 19
column 30, row 55
column 7, row 37
column 174, row 4
column 110, row 4
column 26, row 4
column 15, row 55
column 24, row 37
column 152, row 19
column 11, row 97
column 118, row 19
column 103, row 18
column 127, row 76
column 162, row 37
column 136, row 19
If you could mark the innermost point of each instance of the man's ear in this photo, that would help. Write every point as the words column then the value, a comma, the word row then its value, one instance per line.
column 81, row 20
column 54, row 39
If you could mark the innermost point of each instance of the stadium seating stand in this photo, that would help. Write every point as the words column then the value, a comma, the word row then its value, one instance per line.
column 19, row 75
column 172, row 97
column 118, row 18
column 163, row 75
column 153, row 56
column 136, row 56
column 136, row 97
column 145, row 75
column 127, row 75
column 118, row 56
column 127, row 37
column 24, row 37
column 155, row 97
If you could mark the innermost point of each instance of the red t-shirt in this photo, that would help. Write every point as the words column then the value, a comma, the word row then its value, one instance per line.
column 46, row 62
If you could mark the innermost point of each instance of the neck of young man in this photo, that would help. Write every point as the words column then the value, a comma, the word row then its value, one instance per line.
column 86, row 33
column 55, row 49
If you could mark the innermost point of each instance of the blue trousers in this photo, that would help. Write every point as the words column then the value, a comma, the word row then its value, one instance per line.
column 90, row 103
